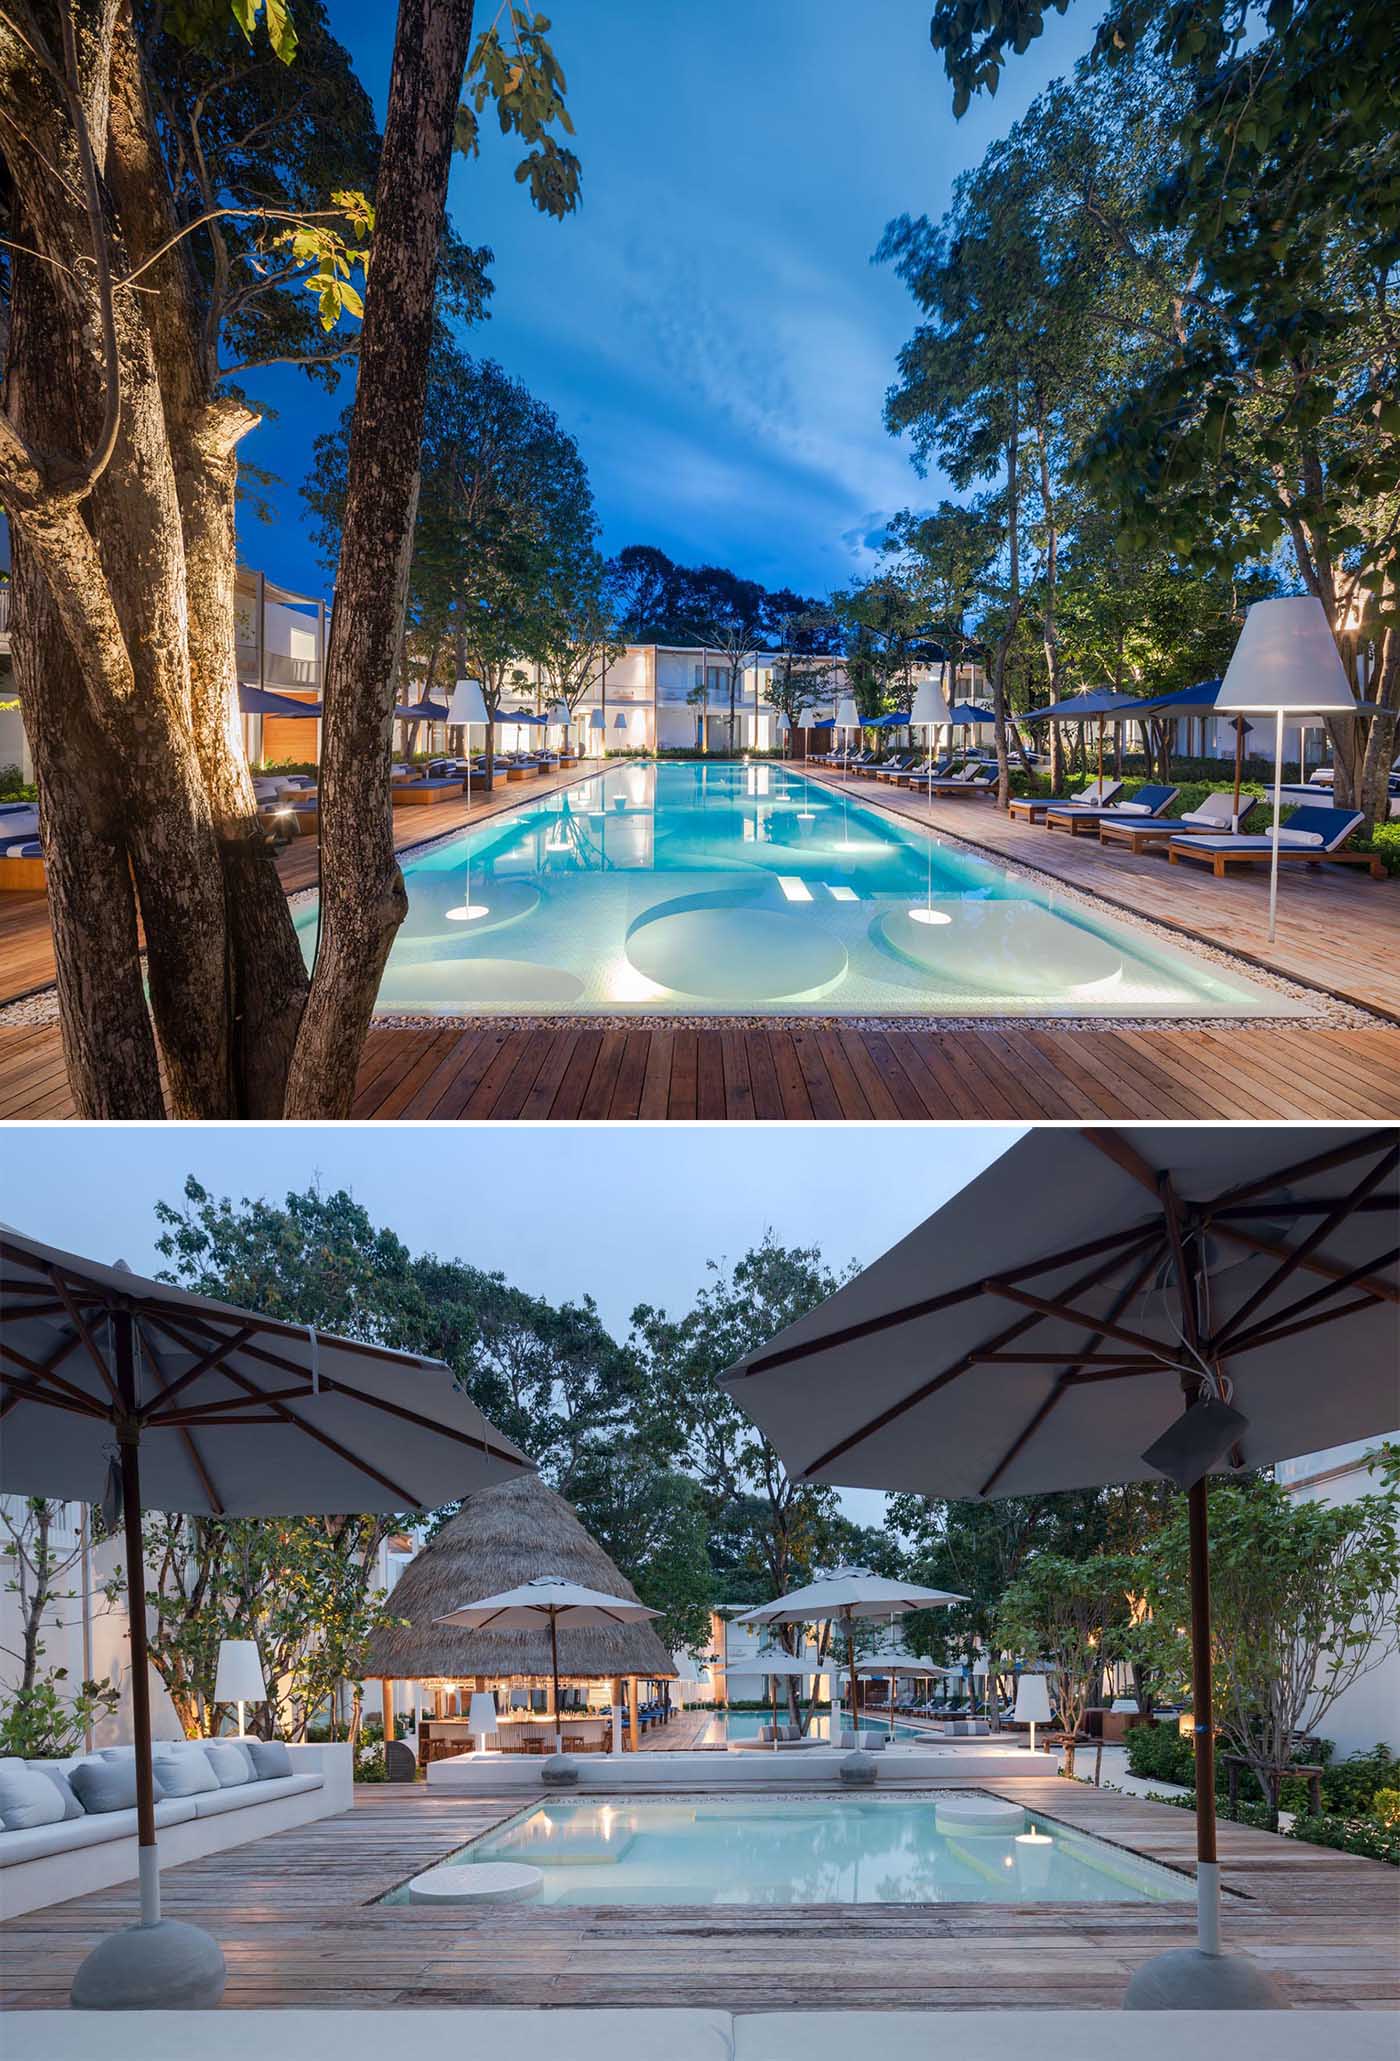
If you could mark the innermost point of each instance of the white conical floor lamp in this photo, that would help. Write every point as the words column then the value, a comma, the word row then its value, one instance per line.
column 468, row 707
column 1286, row 663
column 930, row 709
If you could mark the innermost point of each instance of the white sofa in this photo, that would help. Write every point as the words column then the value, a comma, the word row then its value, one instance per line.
column 47, row 1864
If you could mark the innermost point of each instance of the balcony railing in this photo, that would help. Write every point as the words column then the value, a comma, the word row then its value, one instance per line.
column 278, row 669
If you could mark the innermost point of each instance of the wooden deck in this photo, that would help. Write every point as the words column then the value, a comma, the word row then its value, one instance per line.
column 296, row 1917
column 1338, row 934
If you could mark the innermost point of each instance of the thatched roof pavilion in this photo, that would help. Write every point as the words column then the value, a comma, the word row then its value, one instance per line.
column 502, row 1536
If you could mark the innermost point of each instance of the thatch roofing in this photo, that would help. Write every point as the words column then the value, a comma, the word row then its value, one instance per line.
column 502, row 1536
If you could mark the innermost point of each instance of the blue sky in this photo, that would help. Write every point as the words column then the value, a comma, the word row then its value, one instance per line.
column 708, row 325
column 626, row 1214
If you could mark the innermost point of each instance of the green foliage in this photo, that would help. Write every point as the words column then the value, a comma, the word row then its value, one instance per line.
column 1159, row 1753
column 1373, row 1839
column 1303, row 1605
column 1384, row 841
column 1385, row 1805
column 48, row 1720
column 1074, row 1615
column 14, row 787
column 524, row 79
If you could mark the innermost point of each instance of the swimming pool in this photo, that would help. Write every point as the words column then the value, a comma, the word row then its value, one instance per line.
column 746, row 1724
column 811, row 1850
column 716, row 888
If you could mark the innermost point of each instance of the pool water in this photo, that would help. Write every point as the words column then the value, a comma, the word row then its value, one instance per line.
column 837, row 1850
column 717, row 888
column 746, row 1724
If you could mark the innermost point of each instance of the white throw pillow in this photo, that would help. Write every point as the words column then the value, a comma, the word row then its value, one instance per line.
column 1299, row 837
column 1132, row 809
column 230, row 1762
column 184, row 1770
column 27, row 1800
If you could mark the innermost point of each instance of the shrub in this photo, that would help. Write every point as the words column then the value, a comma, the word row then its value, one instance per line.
column 1161, row 1754
column 14, row 787
column 1350, row 1787
column 369, row 1761
column 1384, row 841
column 1365, row 1836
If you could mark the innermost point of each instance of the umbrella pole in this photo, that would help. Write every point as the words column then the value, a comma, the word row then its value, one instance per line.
column 1203, row 1728
column 128, row 1434
column 1239, row 770
column 554, row 1660
column 851, row 1655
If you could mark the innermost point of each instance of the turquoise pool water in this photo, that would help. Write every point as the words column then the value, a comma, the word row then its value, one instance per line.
column 718, row 888
column 746, row 1724
column 809, row 1850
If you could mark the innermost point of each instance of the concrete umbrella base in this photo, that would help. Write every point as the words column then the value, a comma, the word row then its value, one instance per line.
column 1189, row 1980
column 858, row 1771
column 167, row 1966
column 559, row 1772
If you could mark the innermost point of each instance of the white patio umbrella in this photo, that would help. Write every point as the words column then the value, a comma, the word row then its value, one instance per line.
column 547, row 1596
column 1044, row 1328
column 219, row 1412
column 1286, row 662
column 844, row 1595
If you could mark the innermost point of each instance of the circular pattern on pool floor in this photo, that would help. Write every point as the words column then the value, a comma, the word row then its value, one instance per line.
column 478, row 1882
column 505, row 901
column 734, row 954
column 999, row 948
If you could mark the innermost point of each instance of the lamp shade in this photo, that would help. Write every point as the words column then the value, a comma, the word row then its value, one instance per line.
column 846, row 717
column 930, row 704
column 481, row 1713
column 619, row 721
column 239, row 1676
column 1128, row 1704
column 1286, row 659
column 1032, row 1701
column 467, row 704
column 780, row 724
column 559, row 712
column 597, row 721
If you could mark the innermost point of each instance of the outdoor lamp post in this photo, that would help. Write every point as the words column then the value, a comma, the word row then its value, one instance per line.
column 846, row 721
column 1032, row 1703
column 467, row 706
column 481, row 1716
column 239, row 1676
column 1286, row 664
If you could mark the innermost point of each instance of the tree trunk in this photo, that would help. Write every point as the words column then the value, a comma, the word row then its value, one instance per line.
column 362, row 896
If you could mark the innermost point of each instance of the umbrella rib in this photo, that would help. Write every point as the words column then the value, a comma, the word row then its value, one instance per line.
column 933, row 1305
column 44, row 1371
column 1101, row 1325
column 1254, row 1339
column 330, row 1386
column 19, row 1391
column 287, row 1416
column 1336, row 1216
column 1387, row 1290
column 961, row 1366
column 75, row 1317
column 1066, row 1379
column 1320, row 1163
column 1358, row 1277
column 148, row 1354
column 207, row 1364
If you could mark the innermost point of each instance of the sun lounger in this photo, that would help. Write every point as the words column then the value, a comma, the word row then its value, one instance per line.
column 918, row 776
column 424, row 793
column 1151, row 834
column 1029, row 809
column 971, row 780
column 1086, row 816
column 1311, row 836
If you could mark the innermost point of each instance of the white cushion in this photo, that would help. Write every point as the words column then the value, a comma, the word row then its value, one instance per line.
column 1299, row 837
column 27, row 1800
column 62, row 1838
column 176, row 1810
column 52, row 1772
column 270, row 1758
column 184, row 1770
column 231, row 1762
column 1132, row 809
column 253, row 1792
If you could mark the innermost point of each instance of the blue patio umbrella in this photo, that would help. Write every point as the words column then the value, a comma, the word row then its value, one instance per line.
column 257, row 701
column 421, row 712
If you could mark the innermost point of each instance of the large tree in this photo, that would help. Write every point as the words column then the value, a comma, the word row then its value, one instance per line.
column 132, row 309
column 730, row 617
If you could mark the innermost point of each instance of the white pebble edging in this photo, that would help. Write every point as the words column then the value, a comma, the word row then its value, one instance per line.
column 479, row 1882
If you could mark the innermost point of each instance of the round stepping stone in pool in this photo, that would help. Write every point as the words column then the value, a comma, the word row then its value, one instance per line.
column 480, row 983
column 479, row 1882
column 500, row 901
column 999, row 948
column 978, row 1814
column 734, row 954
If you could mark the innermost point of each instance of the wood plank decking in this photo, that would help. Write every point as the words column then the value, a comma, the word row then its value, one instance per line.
column 1338, row 934
column 296, row 1917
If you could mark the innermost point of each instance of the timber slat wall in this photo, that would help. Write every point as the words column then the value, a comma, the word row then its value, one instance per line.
column 295, row 1916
